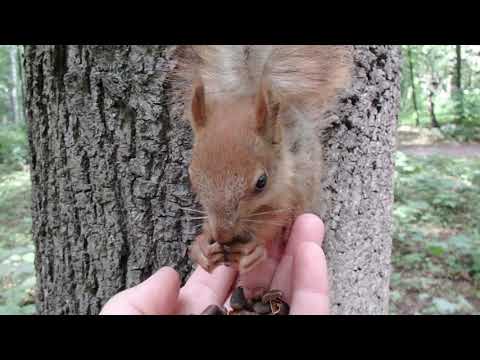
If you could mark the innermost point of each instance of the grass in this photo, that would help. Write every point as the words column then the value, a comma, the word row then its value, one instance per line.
column 16, row 250
column 436, row 255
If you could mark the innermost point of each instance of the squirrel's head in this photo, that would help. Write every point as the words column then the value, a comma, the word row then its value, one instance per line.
column 238, row 168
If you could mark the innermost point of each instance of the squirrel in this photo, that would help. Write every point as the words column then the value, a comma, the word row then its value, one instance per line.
column 255, row 111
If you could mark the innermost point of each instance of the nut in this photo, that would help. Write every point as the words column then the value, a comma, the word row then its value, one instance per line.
column 213, row 310
column 268, row 303
column 238, row 300
column 261, row 308
column 272, row 295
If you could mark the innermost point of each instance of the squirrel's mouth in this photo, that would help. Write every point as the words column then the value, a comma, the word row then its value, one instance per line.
column 242, row 239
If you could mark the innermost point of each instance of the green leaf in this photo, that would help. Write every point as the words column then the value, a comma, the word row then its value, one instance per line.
column 443, row 306
column 437, row 249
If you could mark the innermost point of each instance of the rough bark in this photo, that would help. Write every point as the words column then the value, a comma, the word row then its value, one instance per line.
column 109, row 159
column 359, row 184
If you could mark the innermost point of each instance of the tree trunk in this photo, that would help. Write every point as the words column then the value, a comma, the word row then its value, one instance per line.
column 21, row 83
column 431, row 104
column 12, row 50
column 457, row 89
column 109, row 172
column 431, row 108
column 359, row 184
column 412, row 81
column 432, row 89
column 109, row 158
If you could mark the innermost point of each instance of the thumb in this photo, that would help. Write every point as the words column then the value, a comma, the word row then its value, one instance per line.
column 155, row 296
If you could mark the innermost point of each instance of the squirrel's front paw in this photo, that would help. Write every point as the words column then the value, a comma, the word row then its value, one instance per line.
column 206, row 253
column 247, row 255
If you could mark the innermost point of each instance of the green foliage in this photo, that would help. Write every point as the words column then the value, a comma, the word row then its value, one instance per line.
column 467, row 132
column 13, row 146
column 439, row 190
column 444, row 306
column 437, row 235
column 17, row 277
column 437, row 63
column 17, row 280
column 11, row 84
column 5, row 82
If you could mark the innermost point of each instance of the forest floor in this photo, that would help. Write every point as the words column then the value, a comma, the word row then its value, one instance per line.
column 436, row 244
column 453, row 150
column 17, row 277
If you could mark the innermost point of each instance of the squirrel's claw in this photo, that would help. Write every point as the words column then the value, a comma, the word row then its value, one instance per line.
column 241, row 249
column 250, row 261
column 246, row 255
column 208, row 261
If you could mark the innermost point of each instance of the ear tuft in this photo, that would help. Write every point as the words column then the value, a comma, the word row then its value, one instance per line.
column 199, row 114
column 261, row 112
column 266, row 113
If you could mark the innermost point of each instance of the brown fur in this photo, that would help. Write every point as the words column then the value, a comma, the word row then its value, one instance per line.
column 248, row 105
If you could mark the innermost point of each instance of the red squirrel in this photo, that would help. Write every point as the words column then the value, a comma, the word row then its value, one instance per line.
column 256, row 165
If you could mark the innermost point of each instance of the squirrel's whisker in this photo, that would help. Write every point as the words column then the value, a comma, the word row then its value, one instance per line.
column 264, row 222
column 193, row 210
column 270, row 212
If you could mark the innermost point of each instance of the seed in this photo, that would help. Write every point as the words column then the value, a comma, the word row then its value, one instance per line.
column 280, row 308
column 213, row 310
column 238, row 300
column 284, row 309
column 261, row 308
column 272, row 295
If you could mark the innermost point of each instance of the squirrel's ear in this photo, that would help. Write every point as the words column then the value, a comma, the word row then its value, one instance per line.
column 267, row 124
column 199, row 114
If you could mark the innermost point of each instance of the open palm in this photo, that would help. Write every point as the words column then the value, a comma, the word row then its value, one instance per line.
column 301, row 274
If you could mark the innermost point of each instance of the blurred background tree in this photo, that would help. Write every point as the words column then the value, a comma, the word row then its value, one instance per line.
column 441, row 89
column 11, row 85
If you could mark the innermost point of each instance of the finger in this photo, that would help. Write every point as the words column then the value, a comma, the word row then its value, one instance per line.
column 258, row 278
column 155, row 296
column 309, row 281
column 307, row 228
column 203, row 289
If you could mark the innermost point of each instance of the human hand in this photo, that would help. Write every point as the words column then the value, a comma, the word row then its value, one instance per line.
column 301, row 274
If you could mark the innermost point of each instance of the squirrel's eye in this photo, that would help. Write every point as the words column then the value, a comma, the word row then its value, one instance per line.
column 261, row 183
